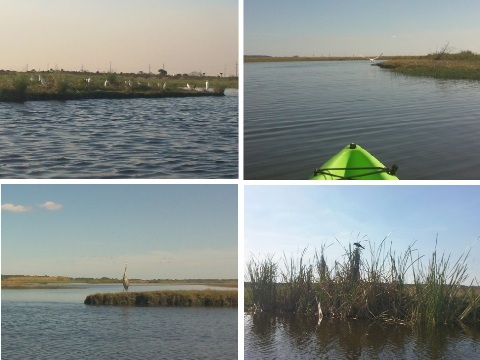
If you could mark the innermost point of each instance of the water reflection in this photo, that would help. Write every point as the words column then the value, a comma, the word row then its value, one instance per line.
column 425, row 126
column 293, row 336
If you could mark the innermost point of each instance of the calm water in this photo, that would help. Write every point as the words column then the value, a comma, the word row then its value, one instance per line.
column 55, row 325
column 297, row 115
column 291, row 337
column 135, row 138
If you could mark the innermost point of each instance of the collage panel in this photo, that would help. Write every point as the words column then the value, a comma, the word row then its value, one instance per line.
column 119, row 271
column 358, row 90
column 361, row 272
column 119, row 89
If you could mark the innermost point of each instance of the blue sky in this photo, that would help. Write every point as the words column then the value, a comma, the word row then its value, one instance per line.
column 185, row 35
column 162, row 231
column 351, row 27
column 287, row 219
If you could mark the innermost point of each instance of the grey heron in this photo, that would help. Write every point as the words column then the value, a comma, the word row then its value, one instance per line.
column 125, row 278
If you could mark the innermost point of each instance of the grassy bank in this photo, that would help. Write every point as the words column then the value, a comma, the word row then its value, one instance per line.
column 372, row 283
column 464, row 65
column 63, row 85
column 167, row 298
column 31, row 282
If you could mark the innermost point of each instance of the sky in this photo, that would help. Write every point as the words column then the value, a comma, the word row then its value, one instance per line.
column 161, row 231
column 182, row 35
column 288, row 219
column 352, row 27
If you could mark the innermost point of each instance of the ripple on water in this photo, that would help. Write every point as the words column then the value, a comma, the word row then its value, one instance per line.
column 104, row 138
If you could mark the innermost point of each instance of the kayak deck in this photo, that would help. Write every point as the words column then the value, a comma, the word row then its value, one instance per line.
column 354, row 163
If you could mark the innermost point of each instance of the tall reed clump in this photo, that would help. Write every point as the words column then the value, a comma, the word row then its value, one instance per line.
column 439, row 295
column 262, row 280
column 297, row 292
column 368, row 283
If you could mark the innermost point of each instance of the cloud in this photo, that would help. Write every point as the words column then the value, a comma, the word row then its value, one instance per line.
column 50, row 205
column 15, row 208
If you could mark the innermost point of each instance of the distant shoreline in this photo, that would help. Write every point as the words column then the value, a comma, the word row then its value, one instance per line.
column 265, row 58
column 52, row 282
column 464, row 65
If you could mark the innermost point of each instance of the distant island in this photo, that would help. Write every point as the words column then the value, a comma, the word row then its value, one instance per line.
column 54, row 282
column 73, row 85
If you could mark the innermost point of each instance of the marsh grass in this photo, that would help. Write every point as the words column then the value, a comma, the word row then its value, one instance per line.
column 213, row 298
column 464, row 65
column 368, row 283
column 15, row 88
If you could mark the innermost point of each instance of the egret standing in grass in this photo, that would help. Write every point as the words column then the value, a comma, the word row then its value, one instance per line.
column 206, row 85
column 42, row 80
column 319, row 310
column 125, row 278
column 188, row 86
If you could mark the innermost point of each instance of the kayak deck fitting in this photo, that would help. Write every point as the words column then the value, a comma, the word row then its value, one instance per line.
column 354, row 163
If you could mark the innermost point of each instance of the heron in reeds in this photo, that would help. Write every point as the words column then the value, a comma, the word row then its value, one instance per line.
column 125, row 279
column 372, row 59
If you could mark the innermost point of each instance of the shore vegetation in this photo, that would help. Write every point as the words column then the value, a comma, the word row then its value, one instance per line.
column 69, row 85
column 375, row 283
column 463, row 65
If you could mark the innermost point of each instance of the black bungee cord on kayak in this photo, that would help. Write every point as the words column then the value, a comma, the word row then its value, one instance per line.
column 378, row 170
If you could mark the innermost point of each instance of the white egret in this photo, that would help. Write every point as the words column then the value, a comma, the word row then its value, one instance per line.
column 188, row 86
column 372, row 59
column 206, row 85
column 106, row 83
column 42, row 80
column 319, row 310
column 125, row 279
column 164, row 86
